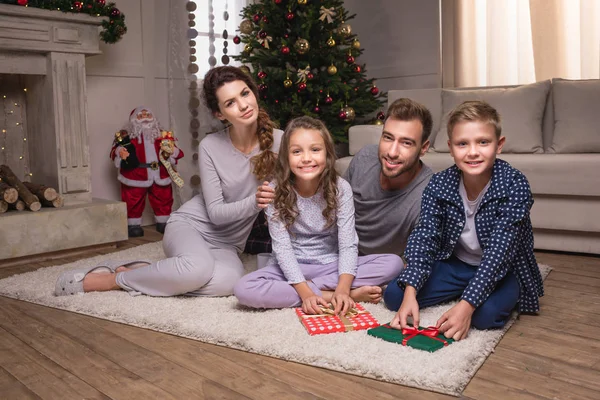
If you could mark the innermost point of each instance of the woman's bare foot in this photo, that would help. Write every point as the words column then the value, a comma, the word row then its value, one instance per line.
column 370, row 294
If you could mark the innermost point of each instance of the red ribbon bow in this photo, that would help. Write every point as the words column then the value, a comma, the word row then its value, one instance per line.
column 430, row 331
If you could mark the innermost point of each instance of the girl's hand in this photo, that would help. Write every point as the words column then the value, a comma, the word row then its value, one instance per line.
column 264, row 195
column 341, row 302
column 310, row 304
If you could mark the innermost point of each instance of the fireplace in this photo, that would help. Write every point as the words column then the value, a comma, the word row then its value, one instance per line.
column 44, row 52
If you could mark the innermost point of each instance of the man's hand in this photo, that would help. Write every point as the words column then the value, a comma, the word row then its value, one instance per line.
column 123, row 153
column 409, row 307
column 456, row 322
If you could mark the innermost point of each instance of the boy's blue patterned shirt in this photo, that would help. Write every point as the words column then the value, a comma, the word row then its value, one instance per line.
column 503, row 229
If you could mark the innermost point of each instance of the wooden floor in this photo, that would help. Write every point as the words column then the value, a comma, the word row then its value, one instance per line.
column 54, row 354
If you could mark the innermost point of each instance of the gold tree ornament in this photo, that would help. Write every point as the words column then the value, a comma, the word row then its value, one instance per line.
column 302, row 2
column 246, row 27
column 247, row 48
column 356, row 44
column 377, row 122
column 331, row 41
column 302, row 46
column 332, row 70
column 350, row 113
column 287, row 83
column 345, row 29
column 245, row 69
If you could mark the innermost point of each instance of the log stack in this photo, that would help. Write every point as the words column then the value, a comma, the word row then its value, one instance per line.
column 18, row 195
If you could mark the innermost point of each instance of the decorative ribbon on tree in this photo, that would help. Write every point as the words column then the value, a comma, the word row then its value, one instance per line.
column 327, row 14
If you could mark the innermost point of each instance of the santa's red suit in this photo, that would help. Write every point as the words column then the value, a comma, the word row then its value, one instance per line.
column 150, row 176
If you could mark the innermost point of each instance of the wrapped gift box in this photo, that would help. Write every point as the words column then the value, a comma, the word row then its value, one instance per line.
column 428, row 339
column 356, row 319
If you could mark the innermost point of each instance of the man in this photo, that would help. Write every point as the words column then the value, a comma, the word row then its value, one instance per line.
column 388, row 180
column 146, row 167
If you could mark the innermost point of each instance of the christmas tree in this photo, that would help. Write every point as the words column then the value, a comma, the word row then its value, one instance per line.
column 303, row 55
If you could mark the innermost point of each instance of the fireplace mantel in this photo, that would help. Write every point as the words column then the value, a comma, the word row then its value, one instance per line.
column 47, row 50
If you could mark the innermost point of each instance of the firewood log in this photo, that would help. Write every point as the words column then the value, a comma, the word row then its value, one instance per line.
column 56, row 203
column 18, row 205
column 9, row 177
column 3, row 206
column 41, row 191
column 8, row 193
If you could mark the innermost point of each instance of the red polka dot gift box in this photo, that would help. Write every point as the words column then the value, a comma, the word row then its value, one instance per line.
column 356, row 319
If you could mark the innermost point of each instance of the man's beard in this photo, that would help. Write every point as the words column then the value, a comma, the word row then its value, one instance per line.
column 408, row 165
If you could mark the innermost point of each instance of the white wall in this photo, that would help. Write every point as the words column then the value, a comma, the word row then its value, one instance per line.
column 131, row 73
column 401, row 41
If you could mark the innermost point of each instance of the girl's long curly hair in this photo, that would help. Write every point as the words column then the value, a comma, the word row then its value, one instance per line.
column 286, row 209
column 263, row 163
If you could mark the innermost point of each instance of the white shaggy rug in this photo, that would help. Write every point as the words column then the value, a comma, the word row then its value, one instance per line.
column 275, row 333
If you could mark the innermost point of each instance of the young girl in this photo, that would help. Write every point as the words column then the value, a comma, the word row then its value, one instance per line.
column 203, row 237
column 311, row 222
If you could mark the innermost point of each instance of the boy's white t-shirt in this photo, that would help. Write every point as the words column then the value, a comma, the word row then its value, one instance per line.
column 467, row 248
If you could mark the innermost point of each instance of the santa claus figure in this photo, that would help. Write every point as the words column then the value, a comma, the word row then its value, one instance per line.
column 146, row 156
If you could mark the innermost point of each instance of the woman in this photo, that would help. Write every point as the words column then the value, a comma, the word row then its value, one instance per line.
column 203, row 237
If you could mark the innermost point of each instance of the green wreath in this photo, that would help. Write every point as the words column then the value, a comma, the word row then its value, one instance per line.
column 114, row 27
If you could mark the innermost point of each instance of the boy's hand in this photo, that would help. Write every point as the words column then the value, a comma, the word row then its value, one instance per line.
column 310, row 305
column 456, row 322
column 409, row 307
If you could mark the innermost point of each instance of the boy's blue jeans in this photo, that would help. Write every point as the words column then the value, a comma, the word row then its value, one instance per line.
column 448, row 279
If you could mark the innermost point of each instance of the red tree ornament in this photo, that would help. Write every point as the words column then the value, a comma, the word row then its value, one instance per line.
column 317, row 109
column 115, row 12
column 374, row 91
column 302, row 86
column 289, row 15
column 380, row 115
column 265, row 19
column 349, row 59
column 357, row 68
column 261, row 75
column 237, row 40
column 77, row 5
column 262, row 87
column 256, row 18
column 262, row 34
column 285, row 50
column 328, row 99
column 310, row 75
column 22, row 2
column 277, row 1
column 342, row 115
column 101, row 2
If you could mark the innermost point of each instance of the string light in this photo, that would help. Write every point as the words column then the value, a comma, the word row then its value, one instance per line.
column 25, row 151
column 9, row 106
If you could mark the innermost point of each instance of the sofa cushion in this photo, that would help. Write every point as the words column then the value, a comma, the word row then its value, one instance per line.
column 521, row 112
column 360, row 136
column 576, row 116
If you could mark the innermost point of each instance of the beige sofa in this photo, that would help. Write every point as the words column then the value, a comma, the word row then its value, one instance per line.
column 552, row 131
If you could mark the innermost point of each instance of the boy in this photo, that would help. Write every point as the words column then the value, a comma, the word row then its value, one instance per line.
column 474, row 240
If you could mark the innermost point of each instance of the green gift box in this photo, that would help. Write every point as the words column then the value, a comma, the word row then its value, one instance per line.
column 428, row 339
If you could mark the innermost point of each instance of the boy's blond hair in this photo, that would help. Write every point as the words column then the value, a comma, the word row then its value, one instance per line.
column 474, row 111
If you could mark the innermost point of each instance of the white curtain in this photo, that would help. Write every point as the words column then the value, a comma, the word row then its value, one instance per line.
column 506, row 42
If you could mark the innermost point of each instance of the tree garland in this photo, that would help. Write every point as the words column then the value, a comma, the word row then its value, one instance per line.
column 114, row 27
